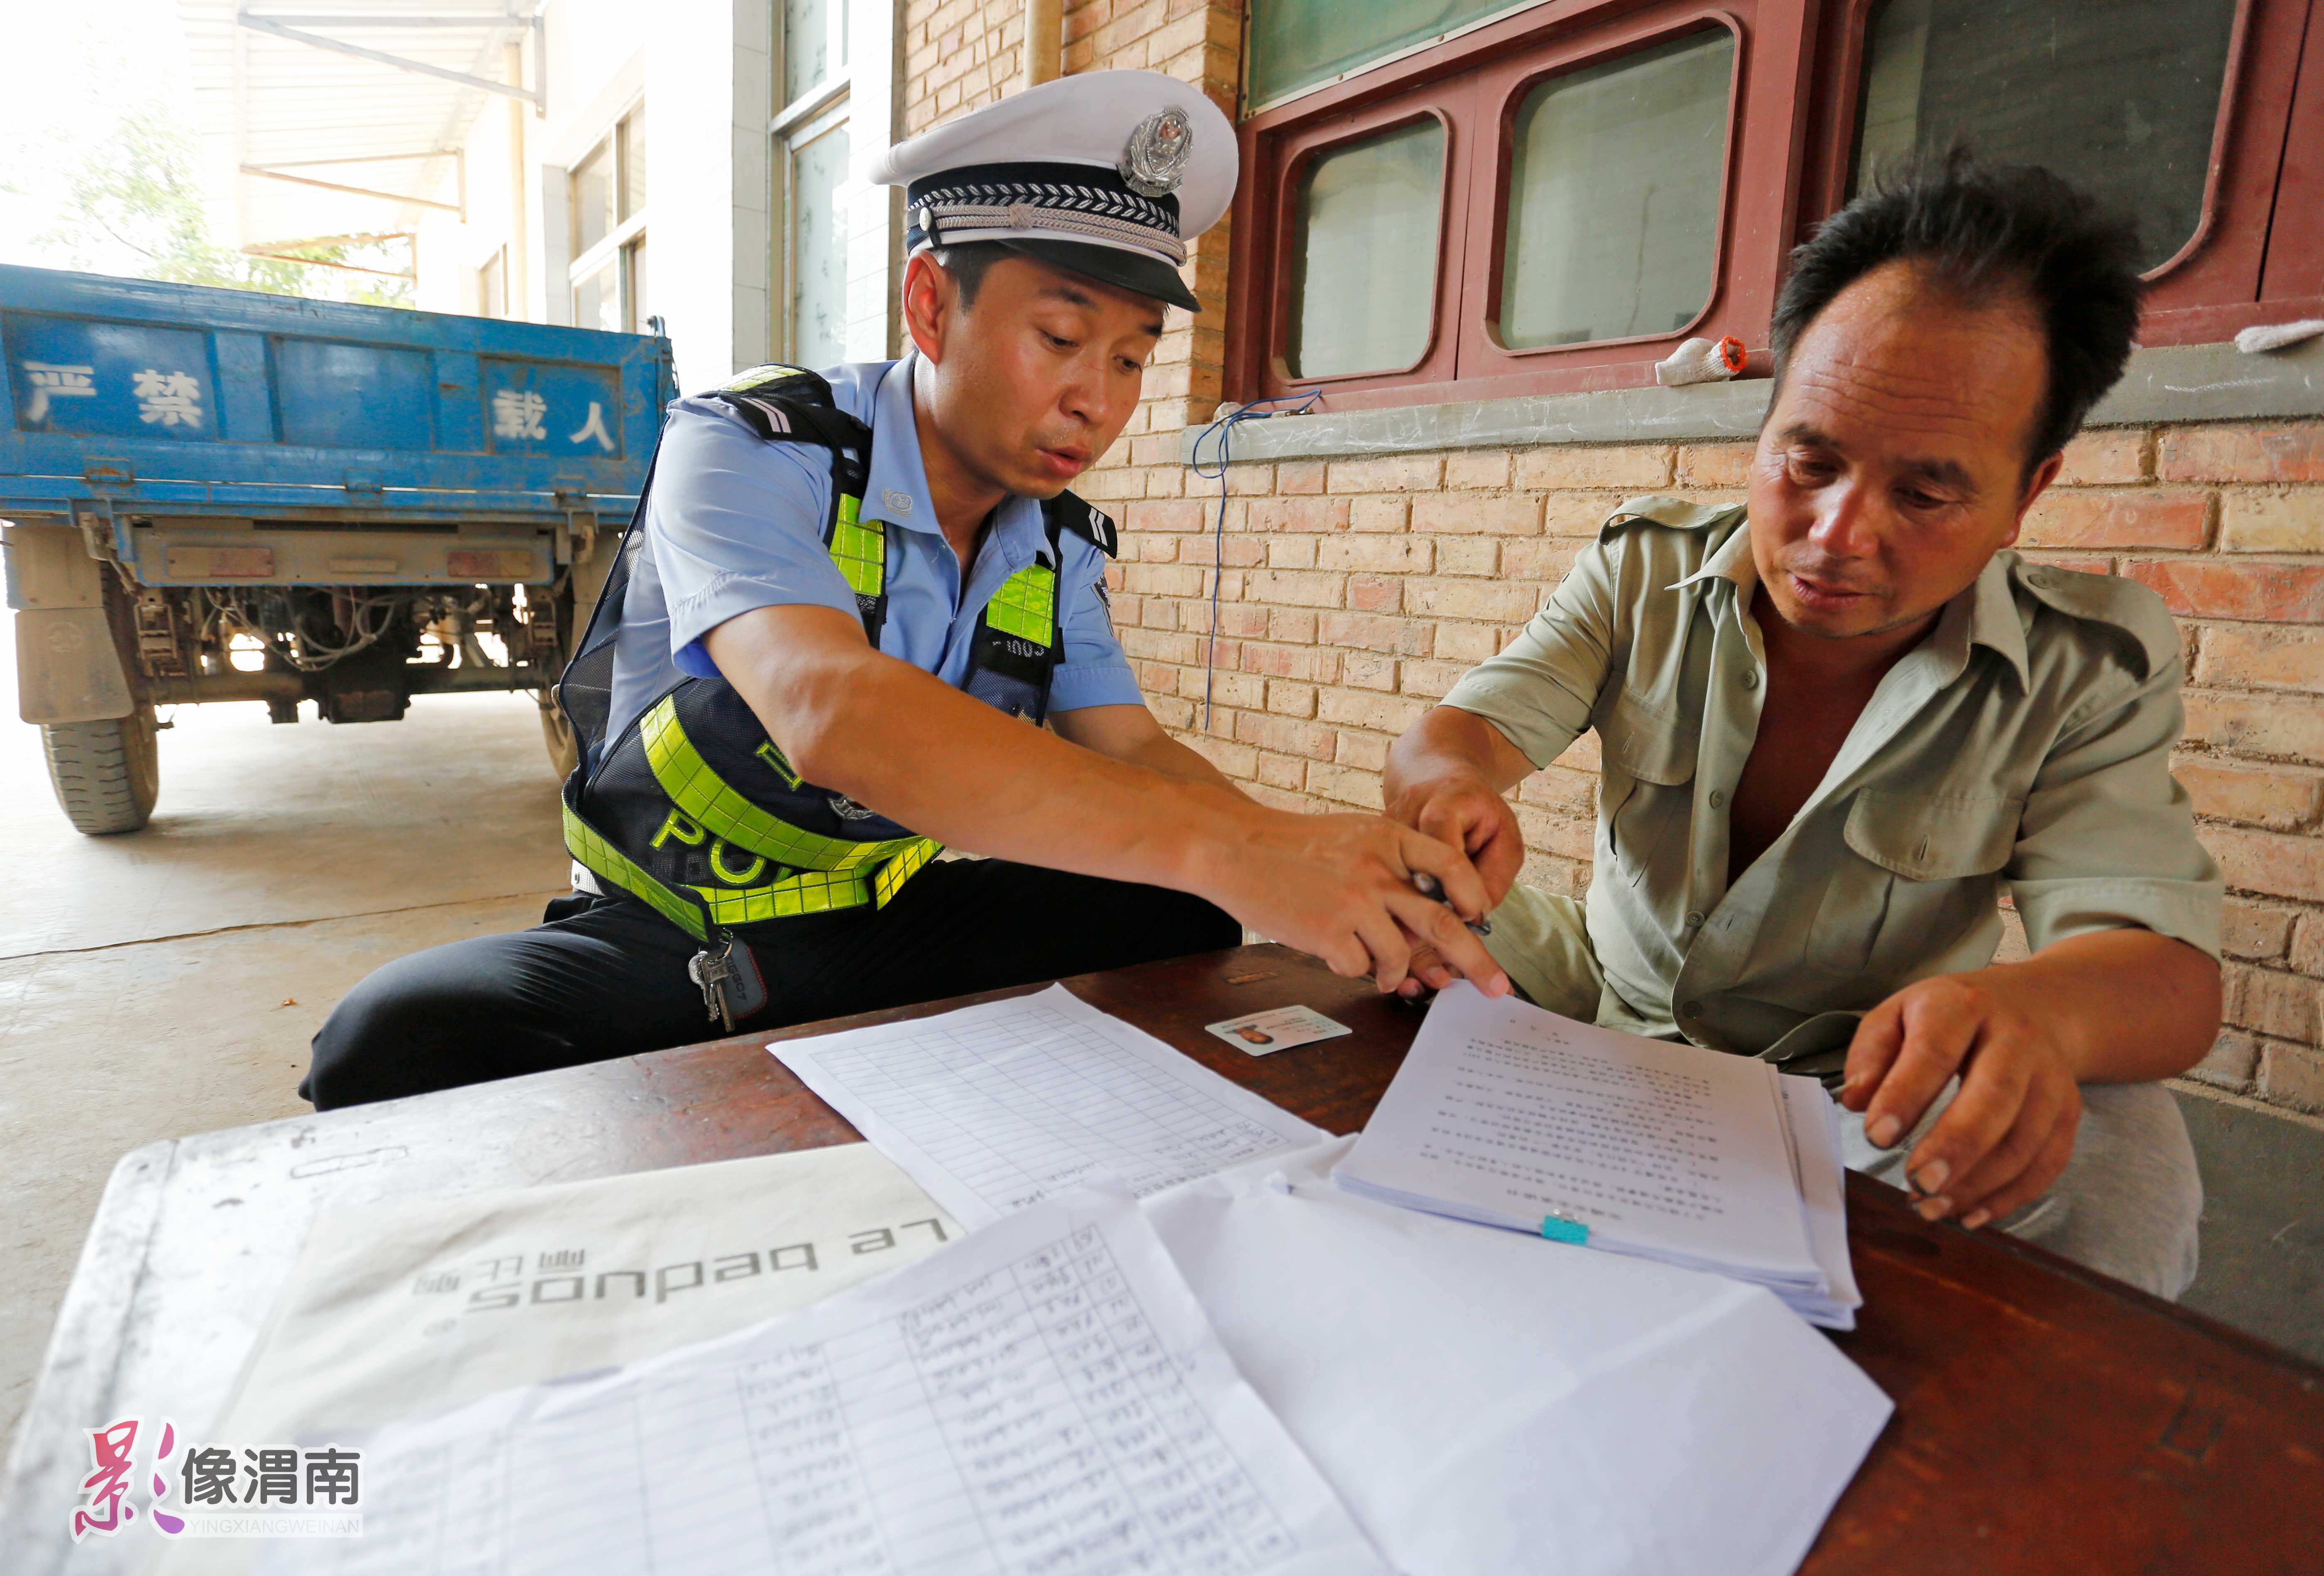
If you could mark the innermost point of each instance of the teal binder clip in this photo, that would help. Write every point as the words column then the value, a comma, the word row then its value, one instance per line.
column 1558, row 1229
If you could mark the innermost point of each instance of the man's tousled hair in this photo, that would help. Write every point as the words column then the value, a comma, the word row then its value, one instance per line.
column 1988, row 233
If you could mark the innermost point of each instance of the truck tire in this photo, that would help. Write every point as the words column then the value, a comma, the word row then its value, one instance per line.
column 105, row 774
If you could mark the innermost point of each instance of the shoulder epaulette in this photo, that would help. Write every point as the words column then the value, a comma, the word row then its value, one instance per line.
column 1077, row 516
column 2125, row 606
column 1676, row 514
column 789, row 403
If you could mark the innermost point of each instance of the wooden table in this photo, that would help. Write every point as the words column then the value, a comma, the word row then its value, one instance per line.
column 2047, row 1419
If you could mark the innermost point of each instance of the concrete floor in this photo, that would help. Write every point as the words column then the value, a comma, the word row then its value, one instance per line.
column 166, row 981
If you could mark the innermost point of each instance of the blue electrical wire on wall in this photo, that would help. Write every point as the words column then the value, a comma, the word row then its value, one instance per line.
column 1224, row 428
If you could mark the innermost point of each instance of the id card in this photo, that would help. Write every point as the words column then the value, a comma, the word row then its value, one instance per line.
column 1277, row 1029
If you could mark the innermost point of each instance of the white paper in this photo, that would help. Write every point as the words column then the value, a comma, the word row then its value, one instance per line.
column 1485, row 1402
column 1823, row 1198
column 996, row 1107
column 423, row 1305
column 1044, row 1396
column 1511, row 1114
column 439, row 1300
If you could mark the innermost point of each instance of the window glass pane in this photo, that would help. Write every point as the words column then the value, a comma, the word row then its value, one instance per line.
column 1366, row 220
column 1614, row 177
column 592, row 187
column 597, row 299
column 810, row 35
column 818, row 306
column 634, row 163
column 1297, row 43
column 2119, row 96
column 640, row 304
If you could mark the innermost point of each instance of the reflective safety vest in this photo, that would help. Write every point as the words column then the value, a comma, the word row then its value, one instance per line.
column 693, row 809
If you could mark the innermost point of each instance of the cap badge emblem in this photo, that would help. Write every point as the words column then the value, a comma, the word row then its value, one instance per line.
column 1154, row 161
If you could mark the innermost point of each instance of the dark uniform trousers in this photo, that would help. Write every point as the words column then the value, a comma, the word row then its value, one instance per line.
column 606, row 977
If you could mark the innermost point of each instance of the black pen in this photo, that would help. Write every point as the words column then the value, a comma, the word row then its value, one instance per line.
column 1428, row 887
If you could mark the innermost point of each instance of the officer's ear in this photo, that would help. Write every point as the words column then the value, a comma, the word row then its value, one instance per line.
column 931, row 305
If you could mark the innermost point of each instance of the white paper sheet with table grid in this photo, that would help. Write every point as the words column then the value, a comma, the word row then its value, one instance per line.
column 995, row 1107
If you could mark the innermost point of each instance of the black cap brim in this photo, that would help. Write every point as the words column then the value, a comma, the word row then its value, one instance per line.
column 1132, row 271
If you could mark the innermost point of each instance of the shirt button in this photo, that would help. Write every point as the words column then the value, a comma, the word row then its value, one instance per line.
column 1751, row 681
column 1717, row 798
column 1691, row 921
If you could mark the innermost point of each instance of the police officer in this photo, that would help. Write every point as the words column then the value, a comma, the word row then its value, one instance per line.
column 845, row 597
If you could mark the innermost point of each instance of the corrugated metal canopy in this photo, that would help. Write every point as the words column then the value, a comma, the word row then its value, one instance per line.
column 327, row 118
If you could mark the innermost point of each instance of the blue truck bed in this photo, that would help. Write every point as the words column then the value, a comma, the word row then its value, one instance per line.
column 215, row 495
column 219, row 402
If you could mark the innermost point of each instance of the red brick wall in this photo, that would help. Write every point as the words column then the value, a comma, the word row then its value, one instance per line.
column 1354, row 591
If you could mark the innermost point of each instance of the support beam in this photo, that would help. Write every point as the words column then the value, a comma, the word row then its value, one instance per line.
column 340, row 47
column 367, row 159
column 341, row 19
column 410, row 275
column 426, row 202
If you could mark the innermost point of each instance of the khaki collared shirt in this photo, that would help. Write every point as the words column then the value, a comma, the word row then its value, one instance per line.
column 2023, row 744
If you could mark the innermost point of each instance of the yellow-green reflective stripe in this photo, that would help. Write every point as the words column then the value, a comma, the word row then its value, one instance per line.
column 1026, row 606
column 817, row 891
column 727, row 816
column 860, row 549
column 601, row 859
column 890, row 877
column 772, row 372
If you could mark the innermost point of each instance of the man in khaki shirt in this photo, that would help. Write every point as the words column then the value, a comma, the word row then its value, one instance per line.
column 1839, row 722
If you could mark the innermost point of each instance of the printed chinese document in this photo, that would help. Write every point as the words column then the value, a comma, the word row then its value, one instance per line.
column 996, row 1107
column 1516, row 1116
column 1044, row 1396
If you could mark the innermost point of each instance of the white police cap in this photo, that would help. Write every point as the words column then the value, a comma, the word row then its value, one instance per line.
column 1106, row 173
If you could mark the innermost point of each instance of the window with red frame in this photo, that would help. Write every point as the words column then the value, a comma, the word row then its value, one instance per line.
column 1550, row 198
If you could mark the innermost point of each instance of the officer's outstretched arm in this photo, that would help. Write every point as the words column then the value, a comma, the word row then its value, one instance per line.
column 912, row 747
column 1129, row 733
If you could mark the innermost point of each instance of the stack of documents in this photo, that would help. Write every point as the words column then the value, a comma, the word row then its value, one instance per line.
column 1169, row 1342
column 1252, row 1373
column 1514, row 1117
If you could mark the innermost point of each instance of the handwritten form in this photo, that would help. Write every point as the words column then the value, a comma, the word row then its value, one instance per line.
column 1043, row 1397
column 996, row 1107
column 1512, row 1115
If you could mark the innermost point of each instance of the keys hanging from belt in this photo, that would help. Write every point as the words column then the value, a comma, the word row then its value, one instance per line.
column 731, row 986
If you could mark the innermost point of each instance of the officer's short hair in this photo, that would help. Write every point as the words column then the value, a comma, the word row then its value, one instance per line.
column 1983, row 232
column 968, row 264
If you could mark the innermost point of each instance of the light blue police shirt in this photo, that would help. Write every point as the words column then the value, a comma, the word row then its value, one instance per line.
column 735, row 523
